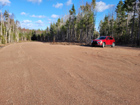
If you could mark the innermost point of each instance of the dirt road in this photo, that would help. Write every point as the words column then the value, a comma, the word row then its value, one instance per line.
column 35, row 73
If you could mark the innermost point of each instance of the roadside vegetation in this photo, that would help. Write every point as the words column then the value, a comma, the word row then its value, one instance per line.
column 122, row 23
column 10, row 30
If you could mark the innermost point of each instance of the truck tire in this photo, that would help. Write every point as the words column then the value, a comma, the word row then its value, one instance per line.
column 113, row 45
column 103, row 45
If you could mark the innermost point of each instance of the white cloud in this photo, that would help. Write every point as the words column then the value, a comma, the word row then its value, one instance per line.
column 39, row 16
column 101, row 6
column 39, row 23
column 27, row 24
column 26, row 21
column 58, row 5
column 50, row 19
column 5, row 2
column 55, row 16
column 69, row 2
column 10, row 14
column 23, row 13
column 35, row 1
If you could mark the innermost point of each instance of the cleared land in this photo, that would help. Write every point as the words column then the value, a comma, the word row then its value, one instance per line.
column 35, row 73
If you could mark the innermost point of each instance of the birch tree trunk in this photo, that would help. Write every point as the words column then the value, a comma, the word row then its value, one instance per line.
column 133, row 24
column 6, row 36
column 75, row 36
column 1, row 22
column 1, row 27
column 9, row 30
column 138, row 35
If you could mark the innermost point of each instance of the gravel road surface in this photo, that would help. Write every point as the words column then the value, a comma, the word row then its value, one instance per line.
column 35, row 73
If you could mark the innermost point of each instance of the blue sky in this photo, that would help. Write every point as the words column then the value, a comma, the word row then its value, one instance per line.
column 38, row 14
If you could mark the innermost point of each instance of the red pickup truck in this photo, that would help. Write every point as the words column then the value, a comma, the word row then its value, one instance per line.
column 104, row 41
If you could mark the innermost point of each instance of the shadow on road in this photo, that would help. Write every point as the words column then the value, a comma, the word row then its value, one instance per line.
column 90, row 46
column 86, row 45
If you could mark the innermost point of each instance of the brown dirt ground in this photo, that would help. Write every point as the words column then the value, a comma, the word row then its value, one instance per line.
column 35, row 73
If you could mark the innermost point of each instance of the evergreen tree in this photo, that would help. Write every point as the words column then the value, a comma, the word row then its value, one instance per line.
column 121, row 18
column 72, row 20
column 130, row 6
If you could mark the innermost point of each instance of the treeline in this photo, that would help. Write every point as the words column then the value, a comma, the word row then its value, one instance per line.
column 73, row 28
column 10, row 30
column 124, row 24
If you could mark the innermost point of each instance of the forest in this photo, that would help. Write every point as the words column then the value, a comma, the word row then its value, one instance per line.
column 122, row 23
